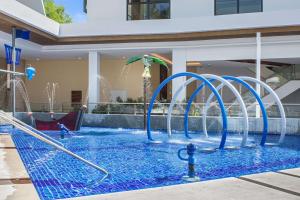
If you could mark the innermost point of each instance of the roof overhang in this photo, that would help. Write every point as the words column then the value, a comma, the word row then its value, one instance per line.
column 47, row 32
column 187, row 36
column 44, row 38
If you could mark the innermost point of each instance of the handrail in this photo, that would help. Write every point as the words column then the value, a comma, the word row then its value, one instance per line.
column 13, row 122
column 12, row 72
column 31, row 128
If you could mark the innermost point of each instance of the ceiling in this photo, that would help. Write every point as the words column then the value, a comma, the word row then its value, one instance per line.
column 31, row 54
column 286, row 60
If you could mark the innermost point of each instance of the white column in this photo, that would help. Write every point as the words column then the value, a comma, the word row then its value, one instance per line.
column 201, row 94
column 258, row 68
column 94, row 79
column 179, row 65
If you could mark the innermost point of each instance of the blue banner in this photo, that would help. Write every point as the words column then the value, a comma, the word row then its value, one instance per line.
column 23, row 34
column 8, row 54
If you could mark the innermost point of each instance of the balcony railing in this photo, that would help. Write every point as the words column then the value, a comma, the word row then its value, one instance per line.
column 233, row 110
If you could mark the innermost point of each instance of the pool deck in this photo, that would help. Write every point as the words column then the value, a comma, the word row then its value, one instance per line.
column 283, row 185
column 15, row 184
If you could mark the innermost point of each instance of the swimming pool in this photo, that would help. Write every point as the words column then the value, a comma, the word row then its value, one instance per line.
column 135, row 164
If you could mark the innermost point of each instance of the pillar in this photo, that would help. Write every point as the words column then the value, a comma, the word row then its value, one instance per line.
column 94, row 80
column 179, row 65
column 199, row 97
column 258, row 69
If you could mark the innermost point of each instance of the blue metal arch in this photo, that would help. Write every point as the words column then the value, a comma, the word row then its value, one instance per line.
column 245, row 84
column 199, row 77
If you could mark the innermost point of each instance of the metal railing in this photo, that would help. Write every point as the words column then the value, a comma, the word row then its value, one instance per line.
column 37, row 134
column 233, row 109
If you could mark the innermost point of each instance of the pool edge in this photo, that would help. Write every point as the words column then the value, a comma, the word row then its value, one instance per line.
column 15, row 182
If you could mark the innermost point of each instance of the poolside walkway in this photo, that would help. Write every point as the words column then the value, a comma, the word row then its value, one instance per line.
column 282, row 185
column 15, row 183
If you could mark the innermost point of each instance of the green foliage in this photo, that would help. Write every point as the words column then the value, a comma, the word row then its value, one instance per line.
column 130, row 100
column 119, row 100
column 57, row 13
column 140, row 100
column 125, row 107
column 100, row 109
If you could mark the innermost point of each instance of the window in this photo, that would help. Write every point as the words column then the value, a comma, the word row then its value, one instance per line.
column 163, row 76
column 148, row 9
column 85, row 6
column 248, row 6
column 225, row 7
column 76, row 97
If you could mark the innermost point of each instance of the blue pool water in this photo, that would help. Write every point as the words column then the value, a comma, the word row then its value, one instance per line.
column 135, row 164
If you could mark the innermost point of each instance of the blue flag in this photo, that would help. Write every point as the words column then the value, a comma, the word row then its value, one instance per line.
column 23, row 34
column 8, row 53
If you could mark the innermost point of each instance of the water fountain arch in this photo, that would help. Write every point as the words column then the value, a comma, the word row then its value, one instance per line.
column 198, row 77
column 277, row 101
column 246, row 85
column 273, row 94
column 211, row 78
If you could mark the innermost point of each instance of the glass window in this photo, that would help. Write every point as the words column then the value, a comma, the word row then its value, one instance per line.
column 160, row 11
column 137, row 11
column 248, row 6
column 225, row 7
column 148, row 9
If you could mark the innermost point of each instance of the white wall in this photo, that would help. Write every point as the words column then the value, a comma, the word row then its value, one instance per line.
column 275, row 5
column 191, row 8
column 36, row 5
column 116, row 10
column 116, row 26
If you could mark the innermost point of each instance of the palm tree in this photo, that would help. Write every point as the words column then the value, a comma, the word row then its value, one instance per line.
column 147, row 61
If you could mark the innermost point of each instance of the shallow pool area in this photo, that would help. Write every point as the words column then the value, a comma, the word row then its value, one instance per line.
column 134, row 163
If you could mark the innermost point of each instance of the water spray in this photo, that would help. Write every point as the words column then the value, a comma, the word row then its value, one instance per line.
column 51, row 94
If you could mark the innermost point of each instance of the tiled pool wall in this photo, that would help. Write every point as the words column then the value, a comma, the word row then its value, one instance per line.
column 160, row 122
